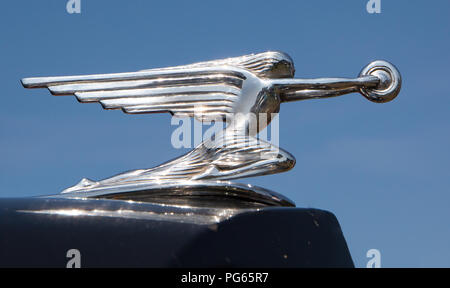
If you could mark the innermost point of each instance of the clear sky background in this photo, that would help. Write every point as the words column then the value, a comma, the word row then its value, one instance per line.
column 382, row 169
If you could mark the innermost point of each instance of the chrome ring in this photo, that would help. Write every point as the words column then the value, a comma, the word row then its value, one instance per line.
column 390, row 81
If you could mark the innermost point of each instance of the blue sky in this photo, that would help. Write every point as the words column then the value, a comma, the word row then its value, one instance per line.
column 382, row 169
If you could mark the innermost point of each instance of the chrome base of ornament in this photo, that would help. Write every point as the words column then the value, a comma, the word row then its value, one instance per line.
column 219, row 194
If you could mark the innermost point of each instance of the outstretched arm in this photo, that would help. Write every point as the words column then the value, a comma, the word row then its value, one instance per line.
column 379, row 82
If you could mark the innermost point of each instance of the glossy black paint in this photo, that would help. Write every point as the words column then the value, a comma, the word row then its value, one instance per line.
column 269, row 237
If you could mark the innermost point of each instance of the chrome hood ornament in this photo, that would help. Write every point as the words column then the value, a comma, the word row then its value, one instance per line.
column 229, row 90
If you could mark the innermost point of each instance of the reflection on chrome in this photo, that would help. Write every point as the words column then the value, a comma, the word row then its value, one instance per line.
column 253, row 84
column 202, row 217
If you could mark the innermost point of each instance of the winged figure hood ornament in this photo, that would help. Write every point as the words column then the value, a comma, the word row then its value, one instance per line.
column 230, row 90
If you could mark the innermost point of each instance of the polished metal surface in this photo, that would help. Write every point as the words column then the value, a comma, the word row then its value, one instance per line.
column 220, row 194
column 230, row 90
column 105, row 208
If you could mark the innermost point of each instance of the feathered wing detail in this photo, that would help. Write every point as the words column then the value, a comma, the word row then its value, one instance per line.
column 205, row 90
column 200, row 91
